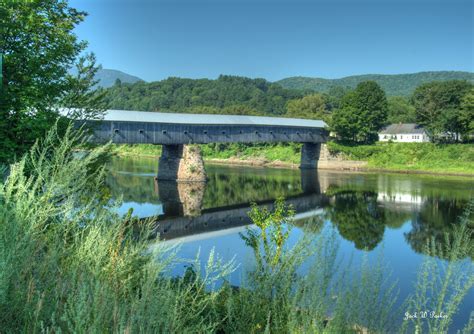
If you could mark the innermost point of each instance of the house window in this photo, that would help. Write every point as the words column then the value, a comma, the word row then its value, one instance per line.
column 401, row 137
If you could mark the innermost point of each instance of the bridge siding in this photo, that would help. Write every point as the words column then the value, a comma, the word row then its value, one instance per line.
column 164, row 133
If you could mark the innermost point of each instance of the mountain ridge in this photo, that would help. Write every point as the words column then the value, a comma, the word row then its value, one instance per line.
column 393, row 84
column 107, row 77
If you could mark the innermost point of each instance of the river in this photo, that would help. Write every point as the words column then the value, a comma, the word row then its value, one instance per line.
column 370, row 212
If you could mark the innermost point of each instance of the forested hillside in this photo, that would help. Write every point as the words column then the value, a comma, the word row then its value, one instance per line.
column 225, row 95
column 393, row 85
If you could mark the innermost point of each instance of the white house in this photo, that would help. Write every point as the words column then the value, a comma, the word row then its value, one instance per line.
column 404, row 133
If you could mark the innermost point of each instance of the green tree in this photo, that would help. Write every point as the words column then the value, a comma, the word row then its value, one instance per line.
column 347, row 123
column 311, row 106
column 438, row 107
column 362, row 114
column 467, row 111
column 400, row 110
column 81, row 100
column 335, row 95
column 39, row 47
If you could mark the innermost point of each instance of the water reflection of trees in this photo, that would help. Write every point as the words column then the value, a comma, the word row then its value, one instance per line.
column 437, row 217
column 228, row 189
column 133, row 188
column 361, row 217
column 357, row 217
column 222, row 189
column 361, row 206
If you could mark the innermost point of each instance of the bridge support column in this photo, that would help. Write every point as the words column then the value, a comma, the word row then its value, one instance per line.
column 310, row 155
column 182, row 163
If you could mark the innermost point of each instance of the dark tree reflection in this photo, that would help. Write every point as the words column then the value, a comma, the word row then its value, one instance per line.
column 358, row 218
column 437, row 217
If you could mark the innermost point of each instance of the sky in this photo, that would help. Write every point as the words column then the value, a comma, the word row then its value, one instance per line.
column 274, row 39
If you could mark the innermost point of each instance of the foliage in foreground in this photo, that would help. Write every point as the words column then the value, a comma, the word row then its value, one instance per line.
column 68, row 263
column 39, row 49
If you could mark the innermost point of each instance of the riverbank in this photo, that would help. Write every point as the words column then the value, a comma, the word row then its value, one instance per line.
column 412, row 158
column 450, row 159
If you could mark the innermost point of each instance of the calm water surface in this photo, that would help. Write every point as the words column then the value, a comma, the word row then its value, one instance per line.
column 393, row 213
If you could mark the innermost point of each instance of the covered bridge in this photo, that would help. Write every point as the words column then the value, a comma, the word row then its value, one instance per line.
column 175, row 131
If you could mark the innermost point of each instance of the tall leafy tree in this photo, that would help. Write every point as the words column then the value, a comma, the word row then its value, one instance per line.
column 335, row 95
column 312, row 106
column 362, row 114
column 400, row 110
column 438, row 107
column 80, row 96
column 39, row 48
column 467, row 111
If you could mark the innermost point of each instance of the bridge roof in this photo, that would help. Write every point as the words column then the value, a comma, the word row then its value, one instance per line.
column 207, row 119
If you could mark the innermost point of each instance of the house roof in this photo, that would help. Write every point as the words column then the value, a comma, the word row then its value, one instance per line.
column 182, row 118
column 403, row 128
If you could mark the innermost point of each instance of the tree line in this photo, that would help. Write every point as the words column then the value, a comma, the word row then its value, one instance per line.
column 225, row 95
column 392, row 84
column 444, row 108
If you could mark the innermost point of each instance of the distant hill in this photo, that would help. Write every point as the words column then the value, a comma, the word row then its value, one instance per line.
column 107, row 77
column 394, row 85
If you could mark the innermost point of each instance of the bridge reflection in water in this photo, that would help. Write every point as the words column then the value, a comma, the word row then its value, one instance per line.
column 183, row 214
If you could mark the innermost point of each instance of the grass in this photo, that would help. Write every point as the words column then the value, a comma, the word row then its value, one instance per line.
column 447, row 158
column 286, row 153
column 424, row 157
column 148, row 150
column 70, row 264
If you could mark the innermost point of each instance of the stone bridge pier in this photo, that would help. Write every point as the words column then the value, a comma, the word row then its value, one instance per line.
column 310, row 153
column 182, row 163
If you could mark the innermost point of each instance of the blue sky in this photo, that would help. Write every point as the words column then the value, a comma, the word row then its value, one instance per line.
column 277, row 39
